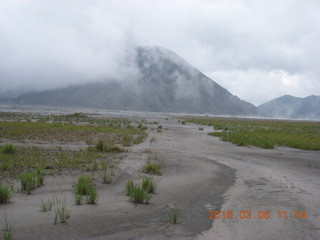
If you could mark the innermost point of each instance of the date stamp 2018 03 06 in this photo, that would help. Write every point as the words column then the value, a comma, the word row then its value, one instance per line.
column 257, row 215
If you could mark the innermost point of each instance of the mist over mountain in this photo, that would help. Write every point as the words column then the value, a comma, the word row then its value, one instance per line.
column 163, row 82
column 293, row 107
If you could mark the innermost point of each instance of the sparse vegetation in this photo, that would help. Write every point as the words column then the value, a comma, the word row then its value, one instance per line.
column 6, row 193
column 106, row 178
column 173, row 216
column 201, row 128
column 264, row 133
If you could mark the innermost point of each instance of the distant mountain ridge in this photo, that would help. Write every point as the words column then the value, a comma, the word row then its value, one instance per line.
column 292, row 107
column 165, row 83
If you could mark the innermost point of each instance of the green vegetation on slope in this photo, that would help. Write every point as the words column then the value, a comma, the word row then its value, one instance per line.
column 264, row 133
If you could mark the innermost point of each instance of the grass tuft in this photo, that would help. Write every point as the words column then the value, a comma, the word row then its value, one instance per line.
column 46, row 205
column 139, row 196
column 84, row 187
column 62, row 212
column 93, row 196
column 148, row 185
column 173, row 216
column 9, row 149
column 5, row 194
column 8, row 228
column 106, row 178
column 129, row 187
column 151, row 168
column 28, row 181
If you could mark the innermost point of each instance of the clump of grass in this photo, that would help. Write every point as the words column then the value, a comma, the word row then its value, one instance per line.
column 102, row 146
column 8, row 228
column 9, row 149
column 92, row 197
column 62, row 212
column 28, row 181
column 46, row 205
column 5, row 194
column 151, row 168
column 149, row 185
column 173, row 216
column 40, row 176
column 129, row 187
column 139, row 196
column 201, row 128
column 106, row 178
column 84, row 187
column 78, row 198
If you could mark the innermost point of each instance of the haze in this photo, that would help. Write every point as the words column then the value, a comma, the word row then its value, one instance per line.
column 258, row 50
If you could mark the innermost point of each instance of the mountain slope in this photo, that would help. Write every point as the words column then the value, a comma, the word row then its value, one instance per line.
column 165, row 83
column 293, row 107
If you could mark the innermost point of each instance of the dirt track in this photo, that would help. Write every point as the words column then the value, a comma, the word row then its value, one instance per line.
column 201, row 173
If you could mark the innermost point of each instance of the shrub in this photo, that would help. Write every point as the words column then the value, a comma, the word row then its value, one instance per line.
column 173, row 216
column 28, row 181
column 152, row 169
column 5, row 194
column 9, row 149
column 148, row 185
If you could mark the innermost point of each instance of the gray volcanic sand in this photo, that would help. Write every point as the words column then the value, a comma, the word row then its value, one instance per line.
column 200, row 174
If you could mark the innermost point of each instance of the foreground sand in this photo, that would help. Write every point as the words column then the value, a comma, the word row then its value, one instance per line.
column 200, row 174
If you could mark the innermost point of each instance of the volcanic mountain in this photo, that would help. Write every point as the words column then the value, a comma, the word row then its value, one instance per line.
column 164, row 83
column 293, row 107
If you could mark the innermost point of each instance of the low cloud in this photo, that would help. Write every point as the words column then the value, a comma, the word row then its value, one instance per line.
column 247, row 46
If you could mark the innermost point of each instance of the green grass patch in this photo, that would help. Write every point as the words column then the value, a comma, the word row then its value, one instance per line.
column 28, row 181
column 6, row 193
column 8, row 149
column 85, row 187
column 149, row 185
column 139, row 196
column 264, row 133
column 152, row 168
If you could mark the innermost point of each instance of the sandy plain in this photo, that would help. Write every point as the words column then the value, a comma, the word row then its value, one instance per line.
column 200, row 174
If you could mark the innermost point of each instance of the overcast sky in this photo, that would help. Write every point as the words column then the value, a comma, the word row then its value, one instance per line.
column 258, row 50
